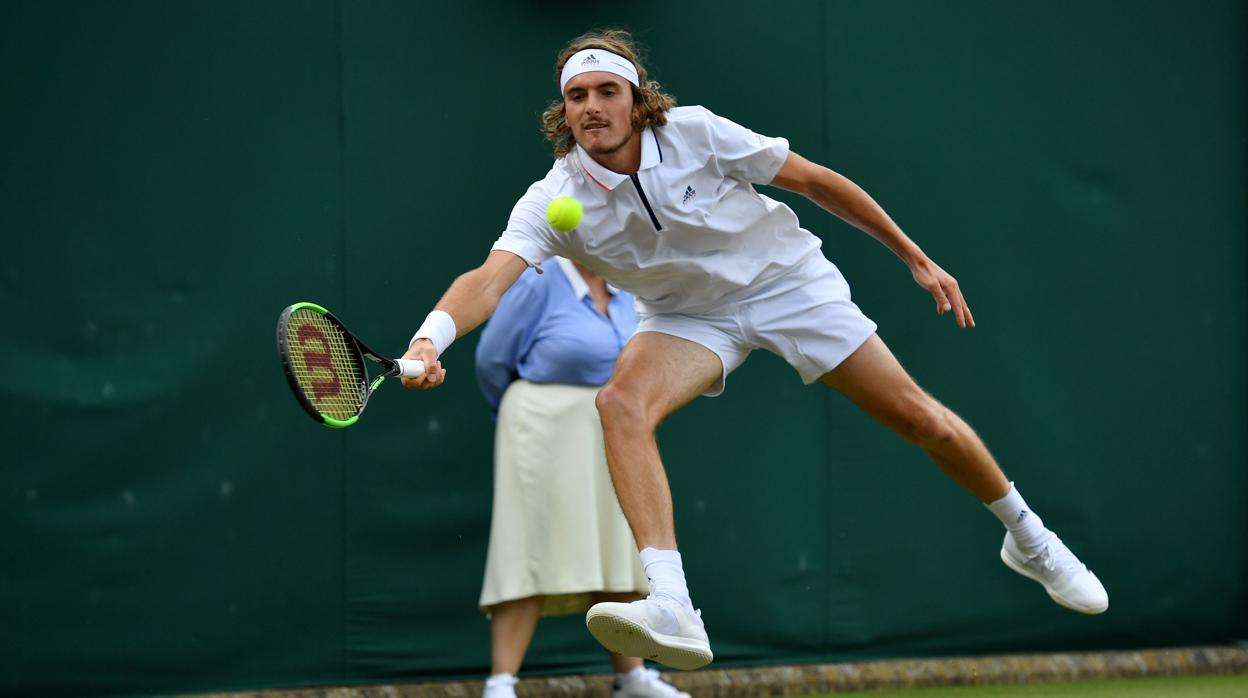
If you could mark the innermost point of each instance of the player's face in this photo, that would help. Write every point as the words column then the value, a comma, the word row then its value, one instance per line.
column 599, row 109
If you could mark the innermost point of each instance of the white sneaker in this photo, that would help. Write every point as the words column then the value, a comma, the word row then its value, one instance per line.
column 500, row 686
column 1069, row 582
column 644, row 683
column 657, row 627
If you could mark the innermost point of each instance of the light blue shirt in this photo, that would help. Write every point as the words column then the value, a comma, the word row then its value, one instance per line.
column 547, row 330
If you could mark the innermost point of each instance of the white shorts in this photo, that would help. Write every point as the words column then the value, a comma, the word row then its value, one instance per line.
column 805, row 317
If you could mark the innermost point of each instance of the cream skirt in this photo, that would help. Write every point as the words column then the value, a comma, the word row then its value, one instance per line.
column 557, row 528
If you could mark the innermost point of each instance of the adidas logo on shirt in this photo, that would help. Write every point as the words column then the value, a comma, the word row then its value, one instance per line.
column 690, row 193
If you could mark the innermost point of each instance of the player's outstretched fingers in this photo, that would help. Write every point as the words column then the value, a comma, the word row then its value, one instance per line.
column 961, row 309
column 942, row 300
column 954, row 294
column 966, row 310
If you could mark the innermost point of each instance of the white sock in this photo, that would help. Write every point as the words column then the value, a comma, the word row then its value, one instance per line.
column 1024, row 524
column 634, row 674
column 501, row 679
column 666, row 574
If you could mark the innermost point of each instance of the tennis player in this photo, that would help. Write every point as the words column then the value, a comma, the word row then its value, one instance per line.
column 672, row 215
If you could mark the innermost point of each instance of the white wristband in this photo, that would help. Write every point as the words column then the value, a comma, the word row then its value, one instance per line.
column 439, row 328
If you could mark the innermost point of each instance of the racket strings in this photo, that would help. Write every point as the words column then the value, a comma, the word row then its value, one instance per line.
column 324, row 364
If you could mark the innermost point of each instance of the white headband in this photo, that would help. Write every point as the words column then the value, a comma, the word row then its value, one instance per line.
column 597, row 59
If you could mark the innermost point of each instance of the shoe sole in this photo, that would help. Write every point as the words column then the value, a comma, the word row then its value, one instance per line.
column 632, row 640
column 1057, row 598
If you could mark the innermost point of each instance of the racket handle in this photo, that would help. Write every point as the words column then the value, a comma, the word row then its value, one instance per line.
column 411, row 368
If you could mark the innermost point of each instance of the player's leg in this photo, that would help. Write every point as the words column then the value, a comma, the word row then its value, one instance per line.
column 511, row 629
column 874, row 380
column 654, row 376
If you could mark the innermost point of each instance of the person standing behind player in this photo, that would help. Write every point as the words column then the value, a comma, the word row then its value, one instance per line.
column 558, row 540
column 671, row 214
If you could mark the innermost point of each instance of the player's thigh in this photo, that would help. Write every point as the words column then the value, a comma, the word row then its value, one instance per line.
column 875, row 381
column 664, row 372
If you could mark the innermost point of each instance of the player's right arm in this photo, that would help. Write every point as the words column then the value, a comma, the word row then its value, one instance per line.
column 469, row 301
column 846, row 200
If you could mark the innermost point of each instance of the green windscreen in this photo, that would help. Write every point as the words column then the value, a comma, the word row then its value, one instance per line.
column 173, row 173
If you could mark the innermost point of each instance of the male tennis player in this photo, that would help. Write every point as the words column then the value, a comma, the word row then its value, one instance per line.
column 671, row 214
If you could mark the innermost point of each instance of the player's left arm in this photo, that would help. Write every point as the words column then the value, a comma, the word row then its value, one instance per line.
column 847, row 201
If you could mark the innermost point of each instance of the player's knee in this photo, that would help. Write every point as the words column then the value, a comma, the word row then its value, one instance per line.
column 926, row 422
column 617, row 407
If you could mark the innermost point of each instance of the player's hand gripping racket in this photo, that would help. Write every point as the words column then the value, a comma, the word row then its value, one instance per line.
column 324, row 364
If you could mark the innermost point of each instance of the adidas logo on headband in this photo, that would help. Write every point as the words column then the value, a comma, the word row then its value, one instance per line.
column 597, row 59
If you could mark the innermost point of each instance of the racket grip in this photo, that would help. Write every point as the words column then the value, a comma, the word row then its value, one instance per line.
column 411, row 368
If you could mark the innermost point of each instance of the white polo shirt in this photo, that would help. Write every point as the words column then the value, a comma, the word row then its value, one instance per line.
column 686, row 234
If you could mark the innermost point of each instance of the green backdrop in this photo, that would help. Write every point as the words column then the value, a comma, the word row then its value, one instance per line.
column 176, row 173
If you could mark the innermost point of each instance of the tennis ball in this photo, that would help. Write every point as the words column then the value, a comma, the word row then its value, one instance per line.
column 564, row 213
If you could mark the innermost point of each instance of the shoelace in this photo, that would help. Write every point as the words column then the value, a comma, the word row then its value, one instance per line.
column 656, row 595
column 1056, row 557
column 672, row 600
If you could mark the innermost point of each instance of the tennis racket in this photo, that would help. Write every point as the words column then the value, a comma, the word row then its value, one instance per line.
column 324, row 364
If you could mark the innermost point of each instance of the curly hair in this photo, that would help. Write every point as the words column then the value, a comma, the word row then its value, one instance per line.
column 650, row 102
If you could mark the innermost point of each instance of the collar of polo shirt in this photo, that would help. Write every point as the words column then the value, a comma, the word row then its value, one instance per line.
column 651, row 155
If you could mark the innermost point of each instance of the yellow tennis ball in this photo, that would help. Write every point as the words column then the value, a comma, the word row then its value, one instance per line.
column 564, row 213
